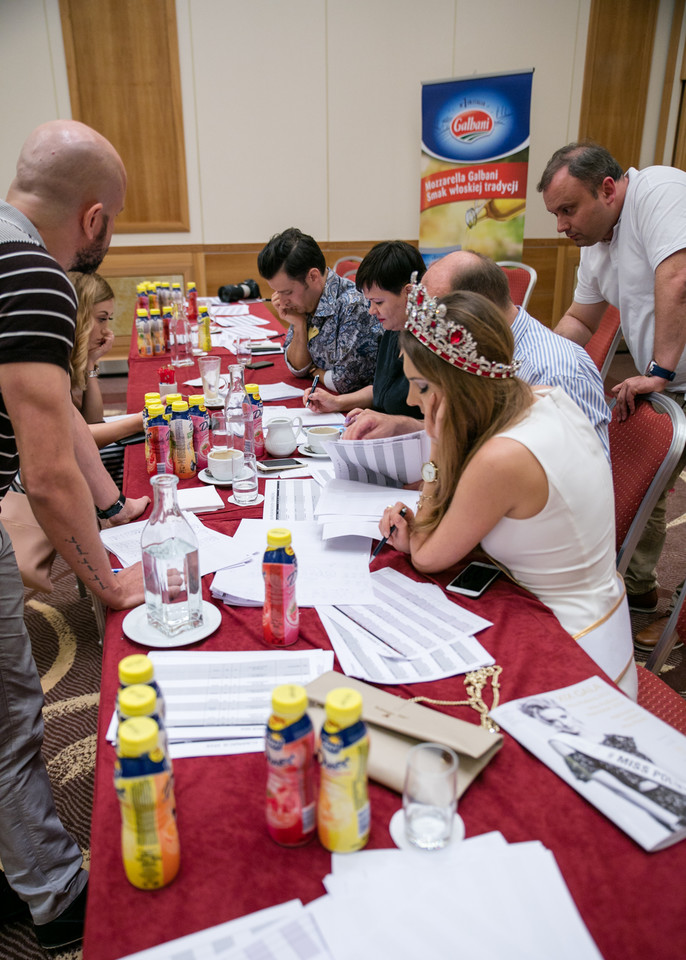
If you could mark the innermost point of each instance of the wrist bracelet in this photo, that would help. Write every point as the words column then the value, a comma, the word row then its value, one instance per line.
column 93, row 373
column 112, row 511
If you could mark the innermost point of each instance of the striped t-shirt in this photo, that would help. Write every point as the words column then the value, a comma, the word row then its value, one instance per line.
column 37, row 314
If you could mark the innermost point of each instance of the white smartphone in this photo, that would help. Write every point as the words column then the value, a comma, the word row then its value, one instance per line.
column 270, row 466
column 474, row 579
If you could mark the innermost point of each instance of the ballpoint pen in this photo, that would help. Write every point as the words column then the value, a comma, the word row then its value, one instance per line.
column 384, row 540
column 314, row 387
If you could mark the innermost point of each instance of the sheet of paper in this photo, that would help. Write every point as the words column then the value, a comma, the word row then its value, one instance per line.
column 342, row 498
column 216, row 550
column 328, row 571
column 204, row 499
column 387, row 461
column 309, row 417
column 279, row 391
column 290, row 500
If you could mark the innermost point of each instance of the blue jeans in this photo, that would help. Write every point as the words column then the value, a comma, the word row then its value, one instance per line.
column 41, row 861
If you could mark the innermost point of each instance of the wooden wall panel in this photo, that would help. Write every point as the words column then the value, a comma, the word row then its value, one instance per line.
column 123, row 68
column 619, row 52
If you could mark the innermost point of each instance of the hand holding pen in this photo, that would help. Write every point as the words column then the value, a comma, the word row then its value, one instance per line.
column 315, row 384
column 384, row 540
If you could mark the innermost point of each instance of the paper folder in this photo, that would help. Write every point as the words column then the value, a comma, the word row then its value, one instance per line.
column 395, row 725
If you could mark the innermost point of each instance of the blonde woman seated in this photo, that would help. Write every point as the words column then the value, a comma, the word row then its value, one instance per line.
column 520, row 472
column 93, row 338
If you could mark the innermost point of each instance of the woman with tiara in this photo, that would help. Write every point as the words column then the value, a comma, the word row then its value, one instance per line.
column 519, row 471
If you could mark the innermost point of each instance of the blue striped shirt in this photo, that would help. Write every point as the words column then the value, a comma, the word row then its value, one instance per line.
column 550, row 360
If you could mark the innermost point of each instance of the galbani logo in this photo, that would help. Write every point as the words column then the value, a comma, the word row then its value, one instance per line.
column 471, row 125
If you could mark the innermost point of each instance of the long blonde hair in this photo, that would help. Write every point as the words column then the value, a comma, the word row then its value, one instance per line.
column 91, row 289
column 476, row 407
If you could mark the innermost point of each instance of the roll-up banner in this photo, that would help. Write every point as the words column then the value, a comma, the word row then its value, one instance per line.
column 475, row 158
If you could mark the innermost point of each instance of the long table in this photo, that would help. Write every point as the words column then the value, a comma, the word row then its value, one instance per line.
column 631, row 901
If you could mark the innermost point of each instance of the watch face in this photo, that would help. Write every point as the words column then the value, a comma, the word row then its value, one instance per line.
column 429, row 472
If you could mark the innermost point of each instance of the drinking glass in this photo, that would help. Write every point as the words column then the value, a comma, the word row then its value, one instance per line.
column 242, row 350
column 209, row 372
column 219, row 430
column 245, row 485
column 430, row 795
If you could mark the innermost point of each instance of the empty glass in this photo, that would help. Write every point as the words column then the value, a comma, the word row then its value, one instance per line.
column 243, row 351
column 430, row 795
column 219, row 431
column 209, row 372
column 245, row 485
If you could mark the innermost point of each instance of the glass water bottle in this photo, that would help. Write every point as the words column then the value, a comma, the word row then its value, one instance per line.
column 173, row 590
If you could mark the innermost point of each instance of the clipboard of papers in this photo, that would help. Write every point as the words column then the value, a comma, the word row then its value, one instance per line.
column 395, row 725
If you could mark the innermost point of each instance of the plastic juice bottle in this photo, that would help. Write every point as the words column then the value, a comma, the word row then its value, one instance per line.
column 204, row 336
column 136, row 669
column 171, row 569
column 153, row 299
column 143, row 333
column 280, row 616
column 140, row 700
column 157, row 329
column 201, row 429
column 343, row 814
column 167, row 320
column 143, row 781
column 191, row 302
column 157, row 441
column 168, row 401
column 179, row 330
column 289, row 748
column 181, row 440
column 253, row 391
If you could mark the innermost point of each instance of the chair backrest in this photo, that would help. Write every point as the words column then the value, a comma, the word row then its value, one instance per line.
column 644, row 450
column 347, row 267
column 522, row 280
column 603, row 344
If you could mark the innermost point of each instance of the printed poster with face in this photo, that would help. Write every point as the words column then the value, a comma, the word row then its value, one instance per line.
column 475, row 157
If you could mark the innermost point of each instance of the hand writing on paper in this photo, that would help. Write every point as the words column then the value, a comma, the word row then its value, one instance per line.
column 392, row 517
column 321, row 401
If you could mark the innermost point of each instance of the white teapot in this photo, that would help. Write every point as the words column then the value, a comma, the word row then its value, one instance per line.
column 281, row 435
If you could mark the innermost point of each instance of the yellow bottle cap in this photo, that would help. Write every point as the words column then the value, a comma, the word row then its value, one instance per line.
column 138, row 700
column 176, row 286
column 196, row 399
column 278, row 537
column 171, row 397
column 254, row 389
column 137, row 736
column 289, row 701
column 153, row 395
column 202, row 308
column 155, row 410
column 190, row 285
column 167, row 311
column 343, row 706
column 154, row 312
column 179, row 406
column 136, row 668
column 143, row 314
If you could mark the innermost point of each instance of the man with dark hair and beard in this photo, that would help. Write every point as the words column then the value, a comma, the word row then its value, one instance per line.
column 59, row 215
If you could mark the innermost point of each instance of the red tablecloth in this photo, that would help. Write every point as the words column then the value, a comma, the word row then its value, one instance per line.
column 631, row 901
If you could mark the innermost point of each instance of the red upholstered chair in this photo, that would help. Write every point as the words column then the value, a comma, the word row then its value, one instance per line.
column 522, row 280
column 603, row 344
column 654, row 695
column 644, row 450
column 347, row 267
column 674, row 628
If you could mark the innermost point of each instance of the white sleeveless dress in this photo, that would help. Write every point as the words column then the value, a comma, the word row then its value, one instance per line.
column 565, row 555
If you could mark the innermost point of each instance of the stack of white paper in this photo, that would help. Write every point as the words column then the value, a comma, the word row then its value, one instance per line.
column 279, row 391
column 348, row 506
column 328, row 571
column 218, row 703
column 412, row 633
column 387, row 461
column 309, row 417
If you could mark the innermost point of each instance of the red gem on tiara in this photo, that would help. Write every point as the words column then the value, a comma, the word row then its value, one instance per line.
column 456, row 336
column 420, row 299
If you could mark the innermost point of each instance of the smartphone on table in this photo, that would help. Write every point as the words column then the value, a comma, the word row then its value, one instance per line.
column 474, row 579
column 270, row 466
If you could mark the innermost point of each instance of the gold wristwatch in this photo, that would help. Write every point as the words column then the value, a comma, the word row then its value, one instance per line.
column 429, row 472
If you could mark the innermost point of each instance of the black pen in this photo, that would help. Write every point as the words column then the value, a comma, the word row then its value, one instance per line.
column 384, row 540
column 314, row 387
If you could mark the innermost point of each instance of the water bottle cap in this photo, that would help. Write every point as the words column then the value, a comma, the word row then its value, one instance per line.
column 278, row 537
column 136, row 668
column 179, row 406
column 138, row 700
column 343, row 706
column 137, row 736
column 289, row 701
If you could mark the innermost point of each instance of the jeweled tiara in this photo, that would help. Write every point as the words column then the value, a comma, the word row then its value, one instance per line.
column 426, row 320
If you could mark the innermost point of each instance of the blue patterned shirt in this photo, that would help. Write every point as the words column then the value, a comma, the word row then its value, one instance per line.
column 551, row 360
column 343, row 338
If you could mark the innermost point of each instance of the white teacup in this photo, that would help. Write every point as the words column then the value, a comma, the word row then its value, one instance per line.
column 225, row 464
column 315, row 436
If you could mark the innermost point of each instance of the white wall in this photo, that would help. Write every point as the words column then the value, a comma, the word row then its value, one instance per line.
column 307, row 112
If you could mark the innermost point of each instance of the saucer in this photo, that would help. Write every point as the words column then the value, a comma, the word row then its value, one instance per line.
column 136, row 627
column 258, row 499
column 306, row 451
column 397, row 831
column 216, row 404
column 207, row 477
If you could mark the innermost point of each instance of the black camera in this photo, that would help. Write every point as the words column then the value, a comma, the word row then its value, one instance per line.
column 248, row 290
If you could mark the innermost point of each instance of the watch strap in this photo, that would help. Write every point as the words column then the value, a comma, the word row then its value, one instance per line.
column 112, row 511
column 655, row 370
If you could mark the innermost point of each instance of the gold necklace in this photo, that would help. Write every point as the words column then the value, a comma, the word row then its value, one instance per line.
column 475, row 681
